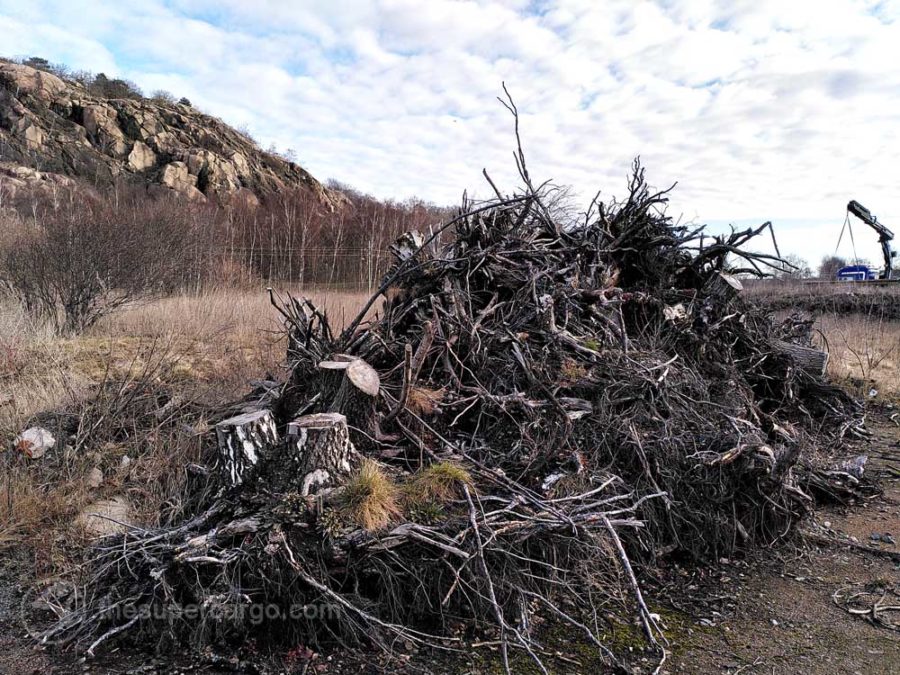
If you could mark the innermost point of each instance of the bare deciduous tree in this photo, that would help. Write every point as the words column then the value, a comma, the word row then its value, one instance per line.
column 795, row 268
column 830, row 265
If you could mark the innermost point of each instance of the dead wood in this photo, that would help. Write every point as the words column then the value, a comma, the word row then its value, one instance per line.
column 585, row 397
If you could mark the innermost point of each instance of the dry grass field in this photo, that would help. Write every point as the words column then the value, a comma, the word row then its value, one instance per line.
column 864, row 352
column 219, row 338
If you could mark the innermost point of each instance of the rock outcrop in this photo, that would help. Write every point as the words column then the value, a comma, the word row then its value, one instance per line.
column 56, row 127
column 15, row 178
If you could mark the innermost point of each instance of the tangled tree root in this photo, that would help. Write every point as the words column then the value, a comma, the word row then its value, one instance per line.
column 539, row 407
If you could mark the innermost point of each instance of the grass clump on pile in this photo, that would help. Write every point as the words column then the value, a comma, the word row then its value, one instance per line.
column 370, row 498
column 438, row 483
column 428, row 492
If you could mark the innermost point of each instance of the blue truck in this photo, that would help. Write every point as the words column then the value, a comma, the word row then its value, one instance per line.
column 885, row 236
column 857, row 273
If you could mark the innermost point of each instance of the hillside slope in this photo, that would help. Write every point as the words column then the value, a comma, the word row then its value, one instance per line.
column 52, row 129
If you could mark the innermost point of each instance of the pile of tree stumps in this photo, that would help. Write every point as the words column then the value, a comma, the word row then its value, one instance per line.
column 537, row 409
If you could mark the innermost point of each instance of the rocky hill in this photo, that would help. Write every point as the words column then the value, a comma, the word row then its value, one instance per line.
column 53, row 130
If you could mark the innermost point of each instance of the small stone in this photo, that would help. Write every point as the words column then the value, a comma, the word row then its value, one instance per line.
column 827, row 524
column 125, row 462
column 105, row 517
column 95, row 478
column 34, row 442
column 774, row 622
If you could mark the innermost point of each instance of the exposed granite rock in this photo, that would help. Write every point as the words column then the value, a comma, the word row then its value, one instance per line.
column 15, row 178
column 141, row 157
column 37, row 83
column 56, row 127
column 176, row 176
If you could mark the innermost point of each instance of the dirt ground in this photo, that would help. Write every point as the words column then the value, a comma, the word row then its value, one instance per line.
column 779, row 615
column 773, row 613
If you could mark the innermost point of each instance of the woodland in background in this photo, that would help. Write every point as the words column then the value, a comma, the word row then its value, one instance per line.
column 72, row 256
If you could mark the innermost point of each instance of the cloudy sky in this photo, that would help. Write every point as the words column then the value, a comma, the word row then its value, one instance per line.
column 760, row 110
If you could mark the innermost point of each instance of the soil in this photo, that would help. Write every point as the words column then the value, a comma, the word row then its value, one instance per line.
column 771, row 613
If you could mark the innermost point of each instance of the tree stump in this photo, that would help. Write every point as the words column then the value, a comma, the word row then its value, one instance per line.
column 813, row 361
column 719, row 290
column 244, row 441
column 320, row 450
column 350, row 387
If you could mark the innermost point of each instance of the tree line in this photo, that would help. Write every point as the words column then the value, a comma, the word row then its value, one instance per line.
column 71, row 257
column 827, row 269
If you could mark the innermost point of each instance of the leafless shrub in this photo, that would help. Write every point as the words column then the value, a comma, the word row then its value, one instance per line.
column 71, row 258
column 163, row 96
column 830, row 265
column 80, row 258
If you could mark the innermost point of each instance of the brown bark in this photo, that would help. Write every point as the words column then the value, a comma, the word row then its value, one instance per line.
column 813, row 361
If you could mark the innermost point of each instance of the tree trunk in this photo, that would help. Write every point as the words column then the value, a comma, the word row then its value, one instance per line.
column 350, row 387
column 244, row 441
column 811, row 360
column 319, row 452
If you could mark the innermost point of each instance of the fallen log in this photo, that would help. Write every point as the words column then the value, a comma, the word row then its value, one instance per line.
column 813, row 361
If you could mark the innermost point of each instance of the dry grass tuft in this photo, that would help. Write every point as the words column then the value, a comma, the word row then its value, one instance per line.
column 39, row 511
column 424, row 401
column 437, row 484
column 35, row 372
column 370, row 498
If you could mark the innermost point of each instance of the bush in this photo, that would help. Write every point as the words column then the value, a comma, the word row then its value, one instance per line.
column 163, row 96
column 77, row 260
column 106, row 87
column 38, row 63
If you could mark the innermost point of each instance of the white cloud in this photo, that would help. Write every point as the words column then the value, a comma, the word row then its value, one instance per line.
column 760, row 109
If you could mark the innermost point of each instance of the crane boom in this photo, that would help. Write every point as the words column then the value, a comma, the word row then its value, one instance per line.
column 884, row 234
